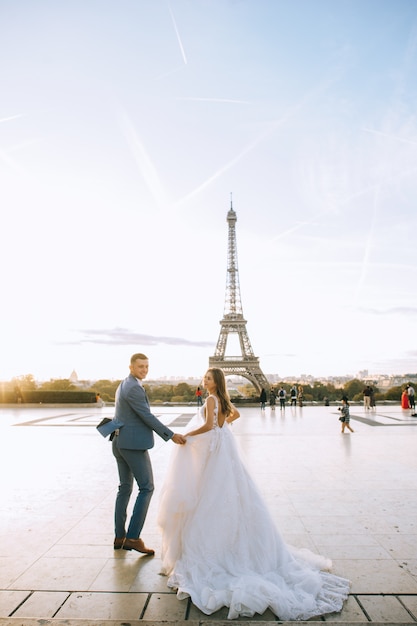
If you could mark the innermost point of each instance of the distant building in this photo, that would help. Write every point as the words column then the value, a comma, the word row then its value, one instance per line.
column 74, row 377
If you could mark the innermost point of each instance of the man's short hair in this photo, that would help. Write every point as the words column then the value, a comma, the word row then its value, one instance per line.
column 137, row 356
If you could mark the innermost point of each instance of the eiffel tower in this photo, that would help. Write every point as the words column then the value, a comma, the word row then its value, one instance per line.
column 233, row 322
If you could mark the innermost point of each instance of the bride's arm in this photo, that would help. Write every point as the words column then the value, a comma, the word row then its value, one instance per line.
column 208, row 425
column 233, row 416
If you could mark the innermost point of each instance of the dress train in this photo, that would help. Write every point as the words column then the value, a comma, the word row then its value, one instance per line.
column 220, row 545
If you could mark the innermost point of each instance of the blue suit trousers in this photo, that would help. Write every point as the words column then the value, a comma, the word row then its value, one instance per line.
column 132, row 465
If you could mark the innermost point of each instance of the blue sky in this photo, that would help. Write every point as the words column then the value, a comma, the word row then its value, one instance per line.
column 124, row 128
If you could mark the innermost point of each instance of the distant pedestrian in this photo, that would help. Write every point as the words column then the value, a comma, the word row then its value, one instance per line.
column 373, row 403
column 300, row 395
column 99, row 400
column 326, row 401
column 262, row 398
column 404, row 399
column 198, row 394
column 367, row 398
column 293, row 395
column 411, row 397
column 281, row 395
column 345, row 415
column 272, row 398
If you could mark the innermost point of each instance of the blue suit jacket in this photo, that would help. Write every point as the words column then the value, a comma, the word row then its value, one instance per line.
column 132, row 409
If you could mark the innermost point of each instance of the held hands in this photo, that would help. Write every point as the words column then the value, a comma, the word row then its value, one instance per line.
column 177, row 438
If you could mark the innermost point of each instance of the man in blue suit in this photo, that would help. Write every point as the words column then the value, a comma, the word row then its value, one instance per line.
column 130, row 447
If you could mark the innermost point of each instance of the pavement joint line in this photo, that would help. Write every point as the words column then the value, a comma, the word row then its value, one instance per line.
column 190, row 622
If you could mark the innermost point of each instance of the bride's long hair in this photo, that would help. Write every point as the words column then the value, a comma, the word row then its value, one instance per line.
column 220, row 381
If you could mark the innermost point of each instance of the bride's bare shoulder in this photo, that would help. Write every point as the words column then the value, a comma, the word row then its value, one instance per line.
column 212, row 402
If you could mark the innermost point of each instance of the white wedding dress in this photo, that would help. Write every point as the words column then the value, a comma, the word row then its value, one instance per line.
column 220, row 545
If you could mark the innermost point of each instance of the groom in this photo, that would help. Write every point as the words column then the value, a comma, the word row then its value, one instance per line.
column 130, row 448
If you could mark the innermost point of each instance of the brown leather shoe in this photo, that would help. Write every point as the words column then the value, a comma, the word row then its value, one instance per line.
column 118, row 542
column 138, row 545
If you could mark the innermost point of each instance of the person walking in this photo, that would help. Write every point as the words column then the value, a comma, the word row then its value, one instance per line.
column 293, row 395
column 367, row 392
column 130, row 447
column 373, row 403
column 411, row 397
column 99, row 400
column 262, row 399
column 300, row 396
column 345, row 415
column 198, row 394
column 281, row 395
column 404, row 399
column 272, row 399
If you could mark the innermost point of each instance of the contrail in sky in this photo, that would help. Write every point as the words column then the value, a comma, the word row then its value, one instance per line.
column 375, row 188
column 4, row 156
column 184, row 58
column 368, row 245
column 143, row 160
column 12, row 117
column 13, row 164
column 270, row 130
column 227, row 166
column 225, row 100
column 297, row 226
column 379, row 132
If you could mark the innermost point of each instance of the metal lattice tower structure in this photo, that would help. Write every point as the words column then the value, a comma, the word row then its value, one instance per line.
column 233, row 322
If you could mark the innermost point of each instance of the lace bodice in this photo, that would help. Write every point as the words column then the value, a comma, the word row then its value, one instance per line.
column 215, row 413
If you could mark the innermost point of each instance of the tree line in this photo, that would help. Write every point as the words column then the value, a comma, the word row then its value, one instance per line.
column 183, row 392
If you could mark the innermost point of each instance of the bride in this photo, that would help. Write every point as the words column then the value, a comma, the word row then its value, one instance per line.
column 220, row 545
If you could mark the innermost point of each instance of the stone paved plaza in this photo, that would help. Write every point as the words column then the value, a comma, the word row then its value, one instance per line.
column 350, row 497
